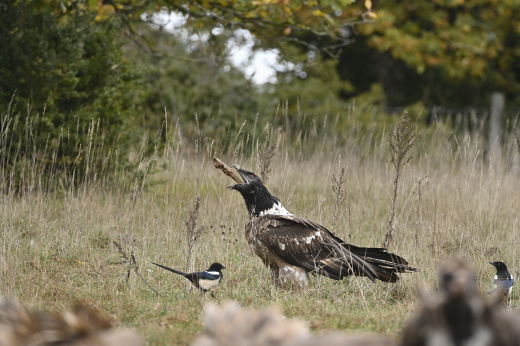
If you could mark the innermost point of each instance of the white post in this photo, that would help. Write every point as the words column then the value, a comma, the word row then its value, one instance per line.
column 495, row 126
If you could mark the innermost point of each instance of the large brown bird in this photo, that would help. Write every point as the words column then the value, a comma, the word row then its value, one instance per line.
column 292, row 246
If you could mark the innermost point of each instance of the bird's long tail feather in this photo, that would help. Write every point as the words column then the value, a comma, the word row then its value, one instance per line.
column 170, row 269
column 386, row 265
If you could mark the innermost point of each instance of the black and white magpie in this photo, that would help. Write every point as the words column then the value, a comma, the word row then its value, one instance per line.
column 503, row 281
column 292, row 246
column 205, row 280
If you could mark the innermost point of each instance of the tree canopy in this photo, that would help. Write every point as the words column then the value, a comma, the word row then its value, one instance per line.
column 272, row 21
column 471, row 44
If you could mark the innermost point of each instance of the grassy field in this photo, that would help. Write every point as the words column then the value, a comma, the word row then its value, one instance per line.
column 453, row 200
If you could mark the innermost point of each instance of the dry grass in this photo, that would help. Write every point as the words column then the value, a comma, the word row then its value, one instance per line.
column 56, row 249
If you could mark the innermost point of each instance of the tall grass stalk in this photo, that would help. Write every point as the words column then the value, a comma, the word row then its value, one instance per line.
column 192, row 232
column 401, row 140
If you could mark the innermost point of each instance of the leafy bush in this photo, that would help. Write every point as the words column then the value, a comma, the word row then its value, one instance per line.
column 72, row 71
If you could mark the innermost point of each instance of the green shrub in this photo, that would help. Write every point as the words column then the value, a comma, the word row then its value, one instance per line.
column 70, row 73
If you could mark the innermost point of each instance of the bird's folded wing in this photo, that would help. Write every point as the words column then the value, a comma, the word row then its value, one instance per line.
column 303, row 243
column 504, row 283
column 206, row 276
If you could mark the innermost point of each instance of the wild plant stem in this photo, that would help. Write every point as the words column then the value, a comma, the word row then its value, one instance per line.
column 192, row 232
column 337, row 187
column 402, row 139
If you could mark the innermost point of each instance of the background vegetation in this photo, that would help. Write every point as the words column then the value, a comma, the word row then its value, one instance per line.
column 109, row 123
column 119, row 67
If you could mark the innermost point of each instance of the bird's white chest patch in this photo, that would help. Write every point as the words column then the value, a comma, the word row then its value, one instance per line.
column 277, row 209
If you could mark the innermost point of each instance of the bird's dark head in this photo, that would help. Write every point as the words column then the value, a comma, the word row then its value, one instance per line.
column 258, row 199
column 251, row 180
column 501, row 266
column 216, row 267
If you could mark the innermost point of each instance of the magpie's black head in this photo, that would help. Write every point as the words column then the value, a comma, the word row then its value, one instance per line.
column 216, row 267
column 255, row 194
column 501, row 267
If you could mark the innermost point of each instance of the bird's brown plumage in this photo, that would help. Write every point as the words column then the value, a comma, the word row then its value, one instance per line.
column 298, row 242
column 292, row 246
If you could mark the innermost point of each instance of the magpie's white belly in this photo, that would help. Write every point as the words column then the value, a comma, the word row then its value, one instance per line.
column 208, row 284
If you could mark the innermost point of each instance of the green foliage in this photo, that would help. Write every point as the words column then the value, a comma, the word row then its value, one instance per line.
column 310, row 90
column 312, row 97
column 203, row 94
column 461, row 37
column 461, row 50
column 269, row 19
column 74, row 75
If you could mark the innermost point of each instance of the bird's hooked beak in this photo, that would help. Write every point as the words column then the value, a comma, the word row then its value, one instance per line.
column 245, row 175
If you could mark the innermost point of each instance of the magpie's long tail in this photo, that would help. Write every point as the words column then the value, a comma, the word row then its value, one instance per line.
column 385, row 264
column 170, row 269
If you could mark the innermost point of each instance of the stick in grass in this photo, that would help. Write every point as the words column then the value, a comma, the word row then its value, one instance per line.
column 225, row 168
